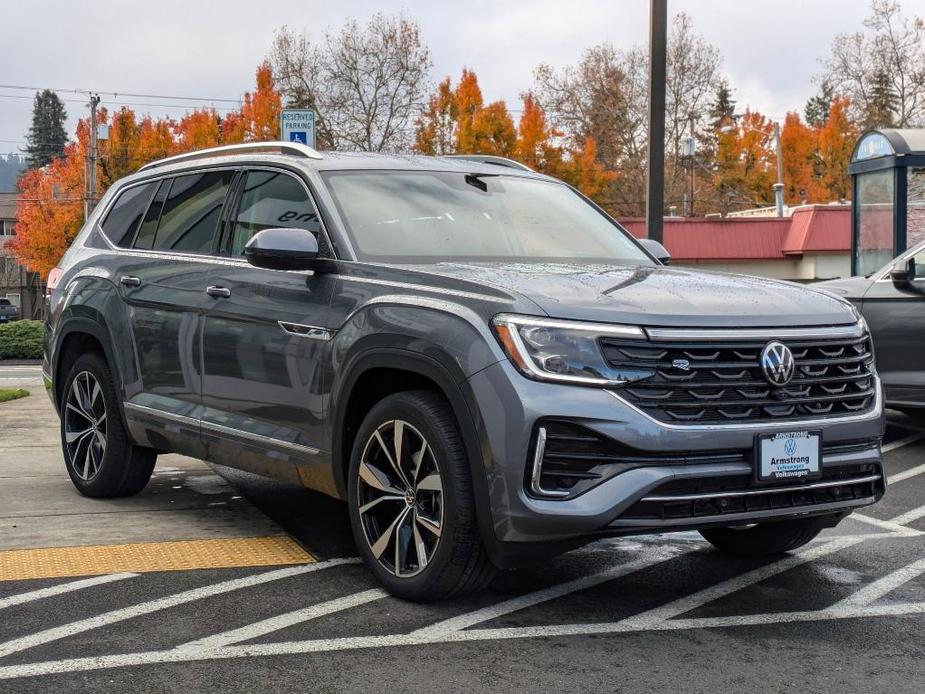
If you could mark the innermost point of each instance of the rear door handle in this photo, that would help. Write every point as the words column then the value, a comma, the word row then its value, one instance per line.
column 130, row 281
column 218, row 292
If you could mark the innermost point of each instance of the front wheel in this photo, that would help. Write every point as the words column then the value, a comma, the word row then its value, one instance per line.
column 764, row 539
column 411, row 500
column 101, row 460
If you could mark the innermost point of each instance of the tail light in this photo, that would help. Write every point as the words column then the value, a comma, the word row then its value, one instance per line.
column 54, row 277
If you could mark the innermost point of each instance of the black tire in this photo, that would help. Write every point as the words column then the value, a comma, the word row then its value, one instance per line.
column 458, row 562
column 764, row 539
column 118, row 468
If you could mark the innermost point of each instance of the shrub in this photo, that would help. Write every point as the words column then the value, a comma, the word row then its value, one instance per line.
column 21, row 339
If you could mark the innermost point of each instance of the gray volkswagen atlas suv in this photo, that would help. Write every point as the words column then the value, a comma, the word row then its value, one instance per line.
column 481, row 362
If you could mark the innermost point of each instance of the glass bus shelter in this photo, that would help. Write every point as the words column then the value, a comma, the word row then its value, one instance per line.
column 888, row 196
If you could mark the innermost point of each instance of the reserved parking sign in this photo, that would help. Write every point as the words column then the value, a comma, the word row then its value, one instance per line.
column 297, row 125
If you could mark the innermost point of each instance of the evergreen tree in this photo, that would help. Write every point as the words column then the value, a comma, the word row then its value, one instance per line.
column 817, row 108
column 883, row 102
column 722, row 112
column 46, row 138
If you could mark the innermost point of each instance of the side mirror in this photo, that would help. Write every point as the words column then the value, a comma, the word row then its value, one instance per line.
column 283, row 249
column 658, row 250
column 902, row 272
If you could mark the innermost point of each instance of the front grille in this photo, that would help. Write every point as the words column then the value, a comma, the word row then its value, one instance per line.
column 718, row 496
column 724, row 381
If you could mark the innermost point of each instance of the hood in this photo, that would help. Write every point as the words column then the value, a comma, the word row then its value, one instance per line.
column 655, row 296
column 851, row 288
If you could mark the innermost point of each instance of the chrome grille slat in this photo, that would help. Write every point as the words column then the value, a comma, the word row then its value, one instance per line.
column 723, row 381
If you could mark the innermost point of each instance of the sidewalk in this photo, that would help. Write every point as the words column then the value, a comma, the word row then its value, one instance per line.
column 39, row 507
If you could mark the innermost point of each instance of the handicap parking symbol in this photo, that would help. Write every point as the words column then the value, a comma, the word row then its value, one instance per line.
column 298, row 136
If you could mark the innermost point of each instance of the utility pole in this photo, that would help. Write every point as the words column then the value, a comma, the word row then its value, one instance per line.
column 92, row 156
column 655, row 193
column 779, row 186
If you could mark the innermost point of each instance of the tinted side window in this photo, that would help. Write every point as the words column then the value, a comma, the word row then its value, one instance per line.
column 191, row 212
column 271, row 200
column 125, row 215
column 145, row 236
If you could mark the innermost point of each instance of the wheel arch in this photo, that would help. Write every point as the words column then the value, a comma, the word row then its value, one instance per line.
column 442, row 375
column 75, row 333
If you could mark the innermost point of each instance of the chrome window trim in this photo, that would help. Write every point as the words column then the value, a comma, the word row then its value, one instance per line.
column 758, row 492
column 220, row 428
column 731, row 334
column 782, row 425
column 177, row 255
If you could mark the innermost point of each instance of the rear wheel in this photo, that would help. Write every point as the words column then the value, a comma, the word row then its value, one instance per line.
column 100, row 458
column 411, row 500
column 763, row 539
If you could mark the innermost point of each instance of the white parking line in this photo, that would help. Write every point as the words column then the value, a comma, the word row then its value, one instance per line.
column 909, row 516
column 521, row 602
column 66, row 630
column 886, row 525
column 906, row 474
column 899, row 443
column 702, row 597
column 876, row 590
column 268, row 626
column 61, row 588
column 182, row 655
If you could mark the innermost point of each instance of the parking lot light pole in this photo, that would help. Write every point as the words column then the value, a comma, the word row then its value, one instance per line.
column 655, row 176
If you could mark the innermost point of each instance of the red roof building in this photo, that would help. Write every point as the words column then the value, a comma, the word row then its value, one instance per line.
column 813, row 243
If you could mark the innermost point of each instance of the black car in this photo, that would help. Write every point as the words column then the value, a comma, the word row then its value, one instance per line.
column 892, row 301
column 474, row 356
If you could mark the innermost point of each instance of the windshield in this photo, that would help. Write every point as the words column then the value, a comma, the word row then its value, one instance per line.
column 429, row 217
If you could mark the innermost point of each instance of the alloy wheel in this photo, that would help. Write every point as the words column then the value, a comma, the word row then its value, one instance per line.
column 400, row 498
column 85, row 426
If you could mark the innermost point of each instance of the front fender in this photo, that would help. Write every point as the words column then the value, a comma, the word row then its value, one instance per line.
column 444, row 347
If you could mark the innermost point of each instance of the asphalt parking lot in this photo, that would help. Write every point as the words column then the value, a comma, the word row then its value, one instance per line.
column 846, row 613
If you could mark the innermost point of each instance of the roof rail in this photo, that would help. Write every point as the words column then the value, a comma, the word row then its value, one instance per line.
column 295, row 148
column 491, row 159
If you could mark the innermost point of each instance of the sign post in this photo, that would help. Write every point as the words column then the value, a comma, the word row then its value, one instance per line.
column 297, row 125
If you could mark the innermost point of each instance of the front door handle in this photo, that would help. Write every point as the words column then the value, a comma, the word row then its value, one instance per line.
column 218, row 292
column 130, row 281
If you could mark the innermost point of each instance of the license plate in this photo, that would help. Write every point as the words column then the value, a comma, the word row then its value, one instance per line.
column 789, row 455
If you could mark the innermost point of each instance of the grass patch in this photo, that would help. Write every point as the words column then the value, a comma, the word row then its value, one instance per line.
column 12, row 394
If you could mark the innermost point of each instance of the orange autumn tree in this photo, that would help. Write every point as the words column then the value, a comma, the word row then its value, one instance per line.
column 49, row 210
column 836, row 140
column 745, row 166
column 258, row 119
column 536, row 148
column 457, row 121
column 50, row 207
column 798, row 143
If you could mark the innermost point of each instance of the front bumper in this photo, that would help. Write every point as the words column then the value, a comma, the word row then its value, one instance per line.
column 511, row 405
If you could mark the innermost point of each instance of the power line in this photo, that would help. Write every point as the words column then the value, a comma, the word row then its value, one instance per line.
column 126, row 103
column 117, row 94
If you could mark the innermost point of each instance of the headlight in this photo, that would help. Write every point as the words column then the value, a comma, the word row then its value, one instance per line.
column 559, row 350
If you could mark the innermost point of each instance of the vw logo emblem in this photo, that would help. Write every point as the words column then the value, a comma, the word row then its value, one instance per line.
column 777, row 363
column 790, row 447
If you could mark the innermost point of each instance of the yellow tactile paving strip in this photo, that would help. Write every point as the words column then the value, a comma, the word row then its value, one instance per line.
column 95, row 560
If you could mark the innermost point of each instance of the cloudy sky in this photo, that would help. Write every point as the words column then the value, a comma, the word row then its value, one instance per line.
column 202, row 48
